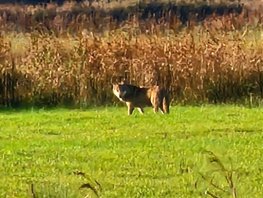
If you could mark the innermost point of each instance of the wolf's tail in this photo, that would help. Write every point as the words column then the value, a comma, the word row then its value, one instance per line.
column 166, row 103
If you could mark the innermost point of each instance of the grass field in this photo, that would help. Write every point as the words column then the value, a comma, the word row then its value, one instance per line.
column 52, row 153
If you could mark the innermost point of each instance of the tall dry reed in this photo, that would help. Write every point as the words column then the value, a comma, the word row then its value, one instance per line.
column 200, row 67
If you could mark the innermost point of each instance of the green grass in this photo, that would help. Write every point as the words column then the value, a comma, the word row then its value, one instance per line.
column 149, row 155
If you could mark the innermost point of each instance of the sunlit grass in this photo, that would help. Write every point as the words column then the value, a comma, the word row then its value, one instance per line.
column 149, row 155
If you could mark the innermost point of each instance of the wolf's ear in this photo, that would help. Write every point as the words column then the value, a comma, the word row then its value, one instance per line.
column 115, row 85
column 113, row 80
column 124, row 81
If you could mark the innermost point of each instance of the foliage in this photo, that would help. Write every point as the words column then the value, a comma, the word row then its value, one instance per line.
column 217, row 59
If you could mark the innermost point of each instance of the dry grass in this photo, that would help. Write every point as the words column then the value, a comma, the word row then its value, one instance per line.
column 218, row 60
column 100, row 16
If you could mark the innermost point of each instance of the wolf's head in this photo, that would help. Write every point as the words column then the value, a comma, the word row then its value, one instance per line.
column 120, row 90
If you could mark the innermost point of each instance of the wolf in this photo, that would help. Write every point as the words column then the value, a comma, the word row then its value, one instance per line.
column 140, row 97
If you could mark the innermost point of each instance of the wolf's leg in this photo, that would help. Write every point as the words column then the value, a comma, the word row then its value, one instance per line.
column 161, row 108
column 140, row 110
column 154, row 102
column 155, row 108
column 166, row 104
column 130, row 108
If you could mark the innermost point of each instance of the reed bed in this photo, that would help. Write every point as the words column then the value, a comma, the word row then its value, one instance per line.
column 217, row 60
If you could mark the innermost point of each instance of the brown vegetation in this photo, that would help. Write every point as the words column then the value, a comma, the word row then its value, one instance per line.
column 217, row 60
